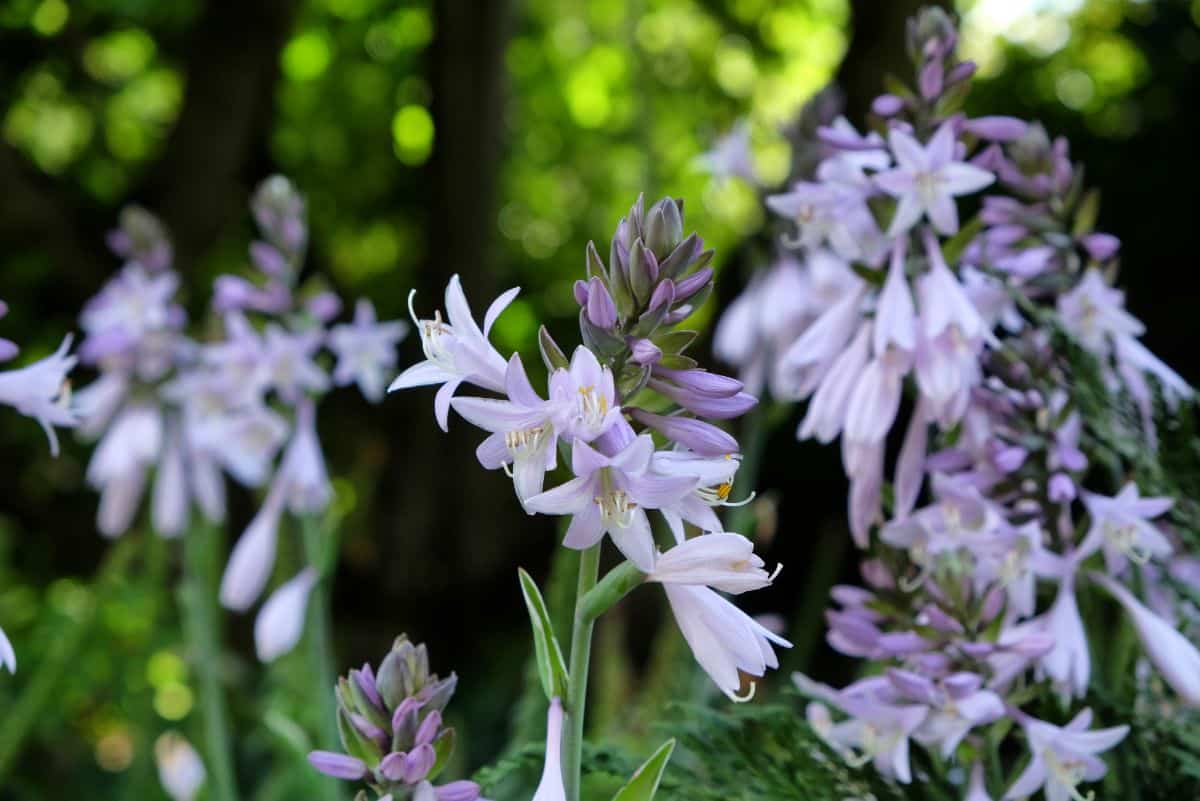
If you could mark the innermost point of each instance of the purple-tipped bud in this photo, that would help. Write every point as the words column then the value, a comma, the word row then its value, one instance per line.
column 458, row 791
column 702, row 382
column 937, row 618
column 644, row 352
column 901, row 643
column 601, row 310
column 324, row 306
column 913, row 685
column 1061, row 488
column 231, row 293
column 418, row 763
column 1010, row 459
column 405, row 716
column 1101, row 247
column 931, row 79
column 268, row 259
column 977, row 650
column 581, row 292
column 365, row 679
column 339, row 766
column 993, row 603
column 960, row 685
column 429, row 728
column 695, row 282
column 997, row 129
column 664, row 295
column 877, row 574
column 887, row 105
column 392, row 766
column 696, row 435
column 718, row 408
column 679, row 315
column 368, row 729
column 962, row 71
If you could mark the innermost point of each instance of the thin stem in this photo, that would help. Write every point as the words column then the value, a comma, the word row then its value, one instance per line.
column 320, row 547
column 203, row 549
column 27, row 711
column 581, row 652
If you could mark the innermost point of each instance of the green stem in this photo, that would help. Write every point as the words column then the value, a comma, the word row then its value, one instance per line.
column 581, row 652
column 320, row 548
column 27, row 711
column 203, row 549
column 616, row 584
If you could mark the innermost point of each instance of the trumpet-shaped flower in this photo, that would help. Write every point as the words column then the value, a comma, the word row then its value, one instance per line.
column 1093, row 311
column 120, row 462
column 725, row 561
column 456, row 350
column 1121, row 527
column 715, row 475
column 1068, row 663
column 39, row 390
column 302, row 469
column 723, row 638
column 1172, row 654
column 926, row 179
column 291, row 370
column 366, row 350
column 524, row 433
column 551, row 787
column 1063, row 757
column 584, row 397
column 610, row 494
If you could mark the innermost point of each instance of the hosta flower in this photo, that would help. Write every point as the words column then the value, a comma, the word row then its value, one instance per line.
column 1068, row 663
column 551, row 788
column 1121, row 527
column 724, row 640
column 290, row 368
column 366, row 350
column 253, row 557
column 456, row 350
column 39, row 390
column 120, row 463
column 1063, row 757
column 958, row 703
column 926, row 179
column 730, row 156
column 584, row 397
column 724, row 561
column 715, row 476
column 1093, row 312
column 280, row 622
column 302, row 469
column 610, row 495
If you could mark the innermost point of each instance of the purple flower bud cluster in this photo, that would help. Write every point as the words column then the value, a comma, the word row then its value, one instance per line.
column 971, row 612
column 188, row 411
column 633, row 411
column 390, row 721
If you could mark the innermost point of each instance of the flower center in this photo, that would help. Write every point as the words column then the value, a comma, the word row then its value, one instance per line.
column 527, row 441
column 616, row 508
column 1068, row 773
column 592, row 406
column 1125, row 539
column 433, row 341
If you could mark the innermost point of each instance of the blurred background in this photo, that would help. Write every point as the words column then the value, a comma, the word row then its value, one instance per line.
column 493, row 140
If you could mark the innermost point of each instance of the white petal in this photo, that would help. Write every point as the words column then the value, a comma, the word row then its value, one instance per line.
column 280, row 622
column 498, row 305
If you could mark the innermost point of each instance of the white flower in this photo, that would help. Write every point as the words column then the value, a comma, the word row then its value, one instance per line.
column 39, row 390
column 723, row 638
column 725, row 561
column 456, row 350
column 8, row 657
column 1063, row 757
column 290, row 366
column 302, row 469
column 551, row 787
column 1121, row 527
column 169, row 504
column 120, row 462
column 1093, row 311
column 180, row 768
column 253, row 558
column 280, row 622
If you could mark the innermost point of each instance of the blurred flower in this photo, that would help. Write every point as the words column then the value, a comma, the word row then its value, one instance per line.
column 366, row 350
column 1063, row 757
column 280, row 622
column 40, row 391
column 180, row 769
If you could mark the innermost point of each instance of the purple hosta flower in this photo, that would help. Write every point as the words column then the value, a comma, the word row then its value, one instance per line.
column 703, row 393
column 302, row 469
column 40, row 391
column 234, row 293
column 245, row 442
column 724, row 561
column 8, row 657
column 958, row 703
column 1173, row 655
column 291, row 371
column 280, row 622
column 180, row 769
column 808, row 361
column 730, row 156
column 551, row 788
column 1134, row 362
column 1063, row 757
column 715, row 476
column 826, row 414
column 1094, row 313
column 610, row 495
column 366, row 350
column 338, row 766
column 239, row 362
column 1120, row 527
column 133, row 323
column 700, row 437
column 456, row 350
column 280, row 212
column 723, row 638
column 833, row 215
column 1068, row 663
column 253, row 558
column 926, row 180
column 583, row 398
column 523, row 428
column 120, row 462
column 877, row 730
column 170, row 502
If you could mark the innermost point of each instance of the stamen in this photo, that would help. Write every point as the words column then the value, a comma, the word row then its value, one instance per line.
column 776, row 572
column 741, row 699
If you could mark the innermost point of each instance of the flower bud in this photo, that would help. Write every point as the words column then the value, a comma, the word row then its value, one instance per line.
column 643, row 351
column 601, row 310
column 643, row 271
column 887, row 105
column 696, row 435
column 664, row 227
column 697, row 281
column 664, row 295
column 997, row 129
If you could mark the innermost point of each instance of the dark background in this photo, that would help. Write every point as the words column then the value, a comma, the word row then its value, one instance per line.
column 493, row 140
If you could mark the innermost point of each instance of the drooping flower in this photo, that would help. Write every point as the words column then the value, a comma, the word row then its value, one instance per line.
column 456, row 350
column 926, row 179
column 180, row 769
column 724, row 561
column 253, row 557
column 551, row 787
column 723, row 638
column 280, row 622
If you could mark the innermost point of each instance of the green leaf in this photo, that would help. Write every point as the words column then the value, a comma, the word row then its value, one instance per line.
column 552, row 668
column 552, row 354
column 644, row 783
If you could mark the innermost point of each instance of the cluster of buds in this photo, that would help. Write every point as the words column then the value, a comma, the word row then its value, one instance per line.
column 390, row 721
column 971, row 611
column 189, row 411
column 634, row 411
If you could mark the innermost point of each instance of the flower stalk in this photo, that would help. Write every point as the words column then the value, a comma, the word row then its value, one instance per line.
column 203, row 551
column 616, row 584
column 581, row 652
